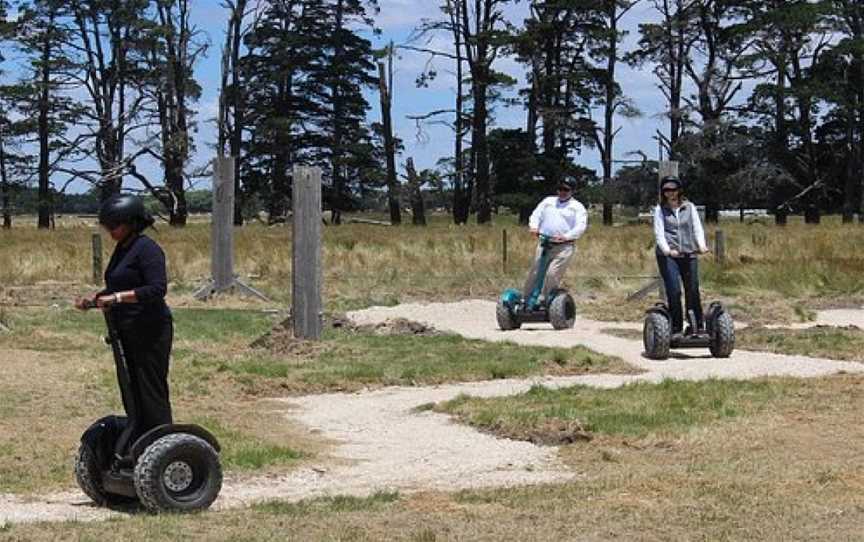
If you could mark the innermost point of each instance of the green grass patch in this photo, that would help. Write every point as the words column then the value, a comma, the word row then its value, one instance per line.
column 635, row 410
column 241, row 451
column 840, row 343
column 220, row 325
column 65, row 328
column 337, row 503
column 349, row 360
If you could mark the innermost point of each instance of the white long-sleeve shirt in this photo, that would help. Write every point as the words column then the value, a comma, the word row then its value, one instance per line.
column 553, row 217
column 660, row 228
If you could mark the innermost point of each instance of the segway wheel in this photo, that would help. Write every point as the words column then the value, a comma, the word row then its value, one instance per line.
column 506, row 319
column 562, row 311
column 657, row 336
column 722, row 336
column 178, row 473
column 88, row 474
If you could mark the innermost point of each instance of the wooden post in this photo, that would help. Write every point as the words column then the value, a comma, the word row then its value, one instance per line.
column 222, row 235
column 96, row 243
column 222, row 246
column 306, row 254
column 504, row 251
column 667, row 169
column 720, row 247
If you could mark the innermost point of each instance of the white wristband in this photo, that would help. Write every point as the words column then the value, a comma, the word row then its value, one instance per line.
column 117, row 297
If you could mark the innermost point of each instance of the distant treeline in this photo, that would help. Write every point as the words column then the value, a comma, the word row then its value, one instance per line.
column 27, row 202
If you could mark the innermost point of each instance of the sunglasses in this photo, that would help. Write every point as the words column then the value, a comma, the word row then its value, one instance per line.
column 670, row 190
column 564, row 189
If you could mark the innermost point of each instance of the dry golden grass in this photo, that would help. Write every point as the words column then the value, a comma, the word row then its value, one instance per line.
column 771, row 274
column 792, row 472
column 57, row 377
column 53, row 367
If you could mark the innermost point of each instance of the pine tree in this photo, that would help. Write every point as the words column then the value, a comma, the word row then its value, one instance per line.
column 44, row 37
column 281, row 100
column 348, row 69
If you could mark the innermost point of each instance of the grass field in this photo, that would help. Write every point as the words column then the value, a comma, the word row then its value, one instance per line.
column 770, row 459
column 789, row 469
column 54, row 366
column 772, row 274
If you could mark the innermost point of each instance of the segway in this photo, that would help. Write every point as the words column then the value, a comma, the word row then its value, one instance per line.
column 170, row 468
column 559, row 308
column 718, row 335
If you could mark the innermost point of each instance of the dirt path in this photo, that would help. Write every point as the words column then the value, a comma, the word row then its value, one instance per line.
column 475, row 319
column 384, row 444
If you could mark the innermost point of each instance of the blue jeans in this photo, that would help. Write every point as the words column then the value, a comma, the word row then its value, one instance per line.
column 675, row 271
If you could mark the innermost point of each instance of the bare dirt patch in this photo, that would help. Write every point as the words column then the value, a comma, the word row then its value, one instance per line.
column 281, row 340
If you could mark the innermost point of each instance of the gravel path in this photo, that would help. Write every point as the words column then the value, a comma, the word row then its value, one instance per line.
column 382, row 444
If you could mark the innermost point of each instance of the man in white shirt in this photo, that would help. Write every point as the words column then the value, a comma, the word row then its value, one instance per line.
column 562, row 219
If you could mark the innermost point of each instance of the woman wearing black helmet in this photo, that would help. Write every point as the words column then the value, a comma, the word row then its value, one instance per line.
column 679, row 237
column 135, row 287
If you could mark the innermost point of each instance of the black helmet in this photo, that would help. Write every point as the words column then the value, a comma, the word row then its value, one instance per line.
column 672, row 182
column 568, row 182
column 125, row 209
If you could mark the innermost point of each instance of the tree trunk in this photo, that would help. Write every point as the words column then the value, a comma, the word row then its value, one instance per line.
column 480, row 143
column 857, row 26
column 338, row 114
column 609, row 111
column 44, row 128
column 460, row 201
column 237, row 110
column 389, row 143
column 4, row 188
column 415, row 184
column 851, row 199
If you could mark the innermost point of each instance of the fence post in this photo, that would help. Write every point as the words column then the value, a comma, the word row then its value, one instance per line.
column 306, row 253
column 96, row 243
column 666, row 169
column 504, row 250
column 720, row 247
column 222, row 235
column 222, row 255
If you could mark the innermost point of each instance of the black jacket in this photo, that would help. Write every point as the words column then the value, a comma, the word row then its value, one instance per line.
column 139, row 266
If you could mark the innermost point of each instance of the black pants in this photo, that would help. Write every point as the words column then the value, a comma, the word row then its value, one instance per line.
column 675, row 271
column 146, row 402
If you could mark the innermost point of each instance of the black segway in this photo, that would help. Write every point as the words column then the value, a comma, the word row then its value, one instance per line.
column 559, row 309
column 718, row 335
column 170, row 468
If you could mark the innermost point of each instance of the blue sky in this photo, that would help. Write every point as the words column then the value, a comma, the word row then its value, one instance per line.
column 397, row 20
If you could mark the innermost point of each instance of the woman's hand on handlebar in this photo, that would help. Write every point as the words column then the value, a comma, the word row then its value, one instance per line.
column 85, row 303
column 105, row 301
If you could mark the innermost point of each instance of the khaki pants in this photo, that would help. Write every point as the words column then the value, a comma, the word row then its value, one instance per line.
column 559, row 258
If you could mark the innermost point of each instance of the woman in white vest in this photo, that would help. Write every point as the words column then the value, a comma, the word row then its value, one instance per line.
column 679, row 237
